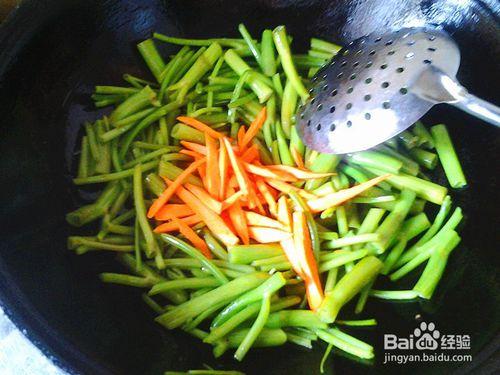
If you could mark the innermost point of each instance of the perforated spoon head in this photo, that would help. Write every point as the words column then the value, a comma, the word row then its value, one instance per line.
column 363, row 96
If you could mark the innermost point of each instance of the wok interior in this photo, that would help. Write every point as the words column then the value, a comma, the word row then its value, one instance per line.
column 45, row 98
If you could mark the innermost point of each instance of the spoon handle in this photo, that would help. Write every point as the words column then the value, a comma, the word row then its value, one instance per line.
column 479, row 108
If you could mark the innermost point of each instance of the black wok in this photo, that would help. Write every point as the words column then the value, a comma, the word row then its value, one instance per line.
column 52, row 52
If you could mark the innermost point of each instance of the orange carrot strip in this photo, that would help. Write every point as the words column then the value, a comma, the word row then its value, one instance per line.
column 206, row 198
column 284, row 215
column 339, row 197
column 168, row 192
column 192, row 237
column 223, row 171
column 265, row 191
column 254, row 200
column 286, row 188
column 268, row 173
column 213, row 221
column 291, row 254
column 194, row 154
column 200, row 126
column 177, row 210
column 232, row 199
column 299, row 173
column 268, row 235
column 196, row 147
column 238, row 218
column 258, row 220
column 170, row 226
column 233, row 182
column 235, row 164
column 297, row 158
column 239, row 138
column 213, row 177
column 310, row 274
column 254, row 128
column 250, row 154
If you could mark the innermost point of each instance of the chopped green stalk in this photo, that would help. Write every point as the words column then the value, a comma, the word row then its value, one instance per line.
column 336, row 260
column 306, row 61
column 76, row 241
column 201, row 66
column 331, row 280
column 295, row 318
column 393, row 294
column 358, row 323
column 92, row 139
column 414, row 226
column 267, row 58
column 225, row 42
column 152, row 155
column 425, row 158
column 171, row 171
column 114, row 176
column 122, row 279
column 371, row 220
column 393, row 222
column 274, row 283
column 152, row 58
column 325, row 56
column 184, row 132
column 190, row 263
column 324, row 358
column 394, row 255
column 323, row 163
column 448, row 239
column 264, row 153
column 376, row 160
column 261, row 89
column 255, row 330
column 357, row 348
column 252, row 46
column 298, row 340
column 174, row 66
column 115, row 90
column 278, row 87
column 296, row 142
column 373, row 200
column 342, row 225
column 187, row 62
column 409, row 166
column 408, row 139
column 351, row 240
column 215, row 247
column 448, row 156
column 425, row 189
column 267, row 337
column 83, row 165
column 275, row 153
column 226, row 292
column 348, row 286
column 246, row 254
column 138, row 83
column 133, row 104
column 425, row 138
column 288, row 107
column 283, row 48
column 276, row 259
column 267, row 128
column 433, row 271
column 186, row 283
column 194, row 253
column 129, row 120
column 324, row 46
column 363, row 297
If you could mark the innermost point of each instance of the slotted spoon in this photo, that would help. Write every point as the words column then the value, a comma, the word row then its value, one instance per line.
column 378, row 86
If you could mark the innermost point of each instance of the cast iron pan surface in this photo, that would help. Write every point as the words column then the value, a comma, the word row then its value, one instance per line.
column 52, row 53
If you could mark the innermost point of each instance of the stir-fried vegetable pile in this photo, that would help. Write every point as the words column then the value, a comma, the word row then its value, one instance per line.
column 238, row 233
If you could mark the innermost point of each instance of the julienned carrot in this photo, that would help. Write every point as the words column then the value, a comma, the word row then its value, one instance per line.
column 196, row 147
column 250, row 154
column 303, row 248
column 254, row 200
column 237, row 216
column 299, row 173
column 268, row 173
column 266, row 192
column 213, row 221
column 193, row 154
column 200, row 126
column 297, row 158
column 177, row 210
column 239, row 138
column 255, row 219
column 203, row 195
column 286, row 188
column 240, row 174
column 339, row 197
column 223, row 171
column 213, row 177
column 203, row 175
column 254, row 128
column 232, row 199
column 169, row 192
column 268, row 235
column 288, row 247
column 284, row 215
column 192, row 237
column 170, row 226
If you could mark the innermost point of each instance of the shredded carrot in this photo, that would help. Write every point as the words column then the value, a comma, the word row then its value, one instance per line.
column 232, row 199
column 286, row 188
column 341, row 196
column 239, row 138
column 297, row 158
column 168, row 192
column 177, row 210
column 212, row 166
column 284, row 215
column 203, row 195
column 266, row 192
column 213, row 221
column 288, row 247
column 258, row 220
column 194, row 154
column 310, row 274
column 268, row 235
column 196, row 147
column 200, row 126
column 250, row 154
column 269, row 173
column 254, row 128
column 238, row 218
column 170, row 226
column 192, row 237
column 301, row 174
column 223, row 171
column 235, row 164
column 254, row 200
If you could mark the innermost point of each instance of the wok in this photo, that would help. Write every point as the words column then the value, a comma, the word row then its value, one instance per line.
column 52, row 53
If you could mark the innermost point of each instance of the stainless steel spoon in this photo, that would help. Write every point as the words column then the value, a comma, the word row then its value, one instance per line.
column 378, row 86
